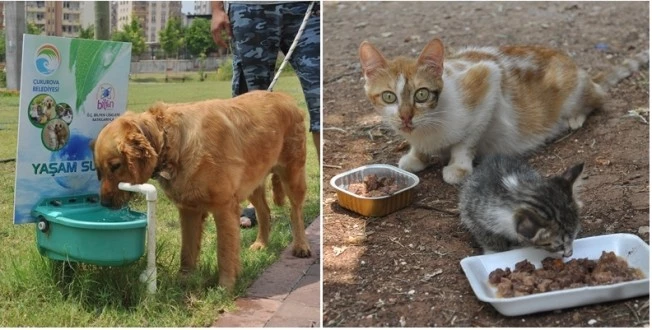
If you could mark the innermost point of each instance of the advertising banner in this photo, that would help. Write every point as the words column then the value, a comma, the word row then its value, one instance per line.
column 70, row 89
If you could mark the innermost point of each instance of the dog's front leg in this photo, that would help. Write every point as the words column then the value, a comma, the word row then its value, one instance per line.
column 227, row 222
column 192, row 223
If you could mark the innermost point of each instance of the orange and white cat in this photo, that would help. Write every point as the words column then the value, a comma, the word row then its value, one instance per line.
column 480, row 101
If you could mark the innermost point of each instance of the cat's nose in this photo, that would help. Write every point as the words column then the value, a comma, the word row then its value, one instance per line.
column 407, row 119
column 568, row 252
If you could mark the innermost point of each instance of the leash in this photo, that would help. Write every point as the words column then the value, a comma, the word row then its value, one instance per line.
column 292, row 47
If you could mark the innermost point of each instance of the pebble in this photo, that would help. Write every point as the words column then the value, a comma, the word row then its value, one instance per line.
column 643, row 230
column 592, row 322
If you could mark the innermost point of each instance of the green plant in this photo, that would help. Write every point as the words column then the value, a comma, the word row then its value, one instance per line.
column 3, row 78
column 134, row 34
column 199, row 38
column 225, row 70
column 202, row 61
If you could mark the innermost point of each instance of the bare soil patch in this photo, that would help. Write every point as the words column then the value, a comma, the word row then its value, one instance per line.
column 403, row 269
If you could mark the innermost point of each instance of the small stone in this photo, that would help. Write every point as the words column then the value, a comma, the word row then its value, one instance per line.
column 386, row 34
column 411, row 292
column 592, row 322
column 402, row 321
column 643, row 230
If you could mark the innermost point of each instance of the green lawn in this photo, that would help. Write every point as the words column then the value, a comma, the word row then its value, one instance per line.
column 37, row 292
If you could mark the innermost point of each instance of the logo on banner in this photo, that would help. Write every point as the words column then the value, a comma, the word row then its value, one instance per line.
column 47, row 59
column 105, row 96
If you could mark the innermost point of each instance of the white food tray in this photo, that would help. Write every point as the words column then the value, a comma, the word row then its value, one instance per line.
column 627, row 246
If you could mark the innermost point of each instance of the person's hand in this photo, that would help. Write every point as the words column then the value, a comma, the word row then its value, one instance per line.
column 220, row 23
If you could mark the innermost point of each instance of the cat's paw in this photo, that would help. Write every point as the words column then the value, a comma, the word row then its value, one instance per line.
column 576, row 122
column 411, row 163
column 455, row 174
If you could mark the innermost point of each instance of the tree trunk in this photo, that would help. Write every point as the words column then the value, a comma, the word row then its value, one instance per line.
column 15, row 19
column 102, row 24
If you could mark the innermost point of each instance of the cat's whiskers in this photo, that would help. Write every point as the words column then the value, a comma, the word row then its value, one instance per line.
column 429, row 122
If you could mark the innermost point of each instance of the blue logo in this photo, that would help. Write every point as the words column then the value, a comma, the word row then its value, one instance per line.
column 47, row 59
column 105, row 96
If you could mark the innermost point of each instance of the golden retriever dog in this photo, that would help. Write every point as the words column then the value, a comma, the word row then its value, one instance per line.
column 48, row 105
column 209, row 156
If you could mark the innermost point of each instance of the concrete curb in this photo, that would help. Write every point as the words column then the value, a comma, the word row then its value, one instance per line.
column 287, row 294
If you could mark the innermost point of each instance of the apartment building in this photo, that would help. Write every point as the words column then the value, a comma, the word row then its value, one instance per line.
column 202, row 7
column 55, row 18
column 87, row 12
column 152, row 15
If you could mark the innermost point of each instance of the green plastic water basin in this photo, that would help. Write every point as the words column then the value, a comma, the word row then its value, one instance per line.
column 80, row 229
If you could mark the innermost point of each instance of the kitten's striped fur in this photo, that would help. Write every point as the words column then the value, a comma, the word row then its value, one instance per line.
column 480, row 101
column 506, row 204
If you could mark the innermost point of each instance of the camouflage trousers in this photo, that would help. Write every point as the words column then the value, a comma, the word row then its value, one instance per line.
column 259, row 33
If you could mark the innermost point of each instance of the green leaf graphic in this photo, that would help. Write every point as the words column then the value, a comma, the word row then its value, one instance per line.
column 91, row 59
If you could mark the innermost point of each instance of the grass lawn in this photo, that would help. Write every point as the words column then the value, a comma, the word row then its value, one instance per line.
column 37, row 292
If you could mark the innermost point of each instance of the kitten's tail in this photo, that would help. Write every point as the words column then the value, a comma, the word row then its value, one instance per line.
column 622, row 71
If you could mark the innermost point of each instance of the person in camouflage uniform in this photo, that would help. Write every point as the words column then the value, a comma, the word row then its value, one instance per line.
column 259, row 30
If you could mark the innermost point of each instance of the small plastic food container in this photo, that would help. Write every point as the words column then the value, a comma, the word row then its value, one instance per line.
column 375, row 206
column 626, row 246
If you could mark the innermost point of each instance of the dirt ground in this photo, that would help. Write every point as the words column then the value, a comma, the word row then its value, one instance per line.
column 404, row 269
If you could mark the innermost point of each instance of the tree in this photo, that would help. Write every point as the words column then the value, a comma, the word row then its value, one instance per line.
column 172, row 37
column 198, row 37
column 87, row 33
column 33, row 29
column 2, row 45
column 133, row 33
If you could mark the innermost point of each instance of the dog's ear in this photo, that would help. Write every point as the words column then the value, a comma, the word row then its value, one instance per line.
column 139, row 155
column 148, row 130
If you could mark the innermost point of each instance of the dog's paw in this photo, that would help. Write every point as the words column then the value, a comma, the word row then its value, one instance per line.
column 257, row 246
column 301, row 250
column 227, row 282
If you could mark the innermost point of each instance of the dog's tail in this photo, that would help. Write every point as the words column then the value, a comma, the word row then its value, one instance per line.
column 277, row 190
column 622, row 71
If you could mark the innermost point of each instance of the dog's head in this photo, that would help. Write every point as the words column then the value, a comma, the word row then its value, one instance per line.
column 48, row 102
column 122, row 153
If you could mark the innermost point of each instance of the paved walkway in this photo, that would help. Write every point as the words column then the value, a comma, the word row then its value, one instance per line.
column 287, row 294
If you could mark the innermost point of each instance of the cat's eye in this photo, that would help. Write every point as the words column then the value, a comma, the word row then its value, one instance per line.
column 388, row 97
column 422, row 95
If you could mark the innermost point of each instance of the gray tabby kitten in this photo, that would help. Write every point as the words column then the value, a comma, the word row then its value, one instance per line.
column 506, row 204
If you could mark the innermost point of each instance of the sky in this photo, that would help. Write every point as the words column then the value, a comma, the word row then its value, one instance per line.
column 188, row 7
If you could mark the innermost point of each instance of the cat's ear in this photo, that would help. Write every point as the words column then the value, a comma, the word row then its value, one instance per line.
column 370, row 59
column 573, row 173
column 432, row 56
column 569, row 178
column 529, row 225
